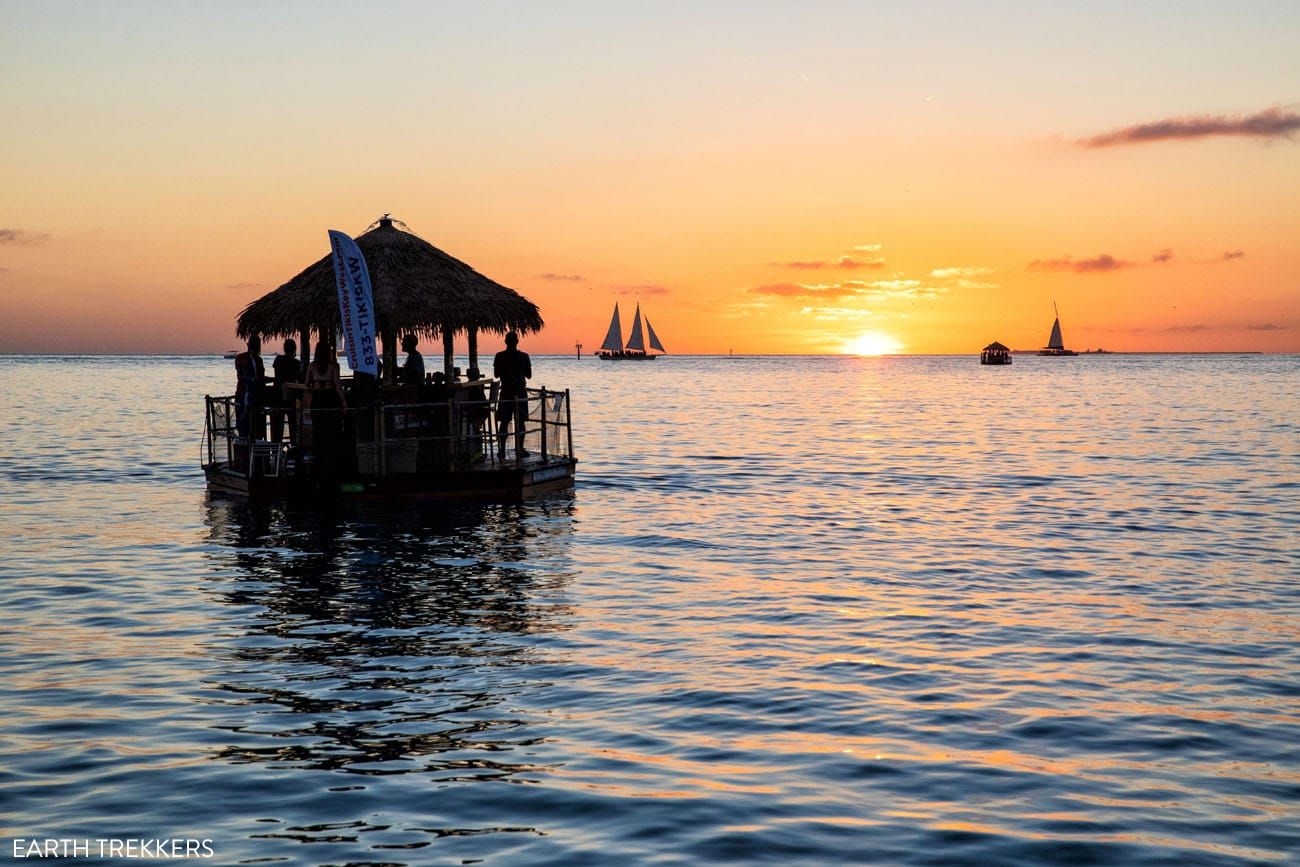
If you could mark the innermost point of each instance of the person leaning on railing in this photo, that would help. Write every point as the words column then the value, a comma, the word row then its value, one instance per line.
column 325, row 402
column 514, row 368
column 286, row 369
column 413, row 369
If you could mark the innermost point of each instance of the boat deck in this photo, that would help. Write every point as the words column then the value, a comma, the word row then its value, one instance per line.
column 440, row 449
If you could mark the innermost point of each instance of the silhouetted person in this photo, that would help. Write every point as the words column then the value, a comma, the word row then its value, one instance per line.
column 413, row 369
column 326, row 403
column 514, row 368
column 285, row 369
column 249, row 375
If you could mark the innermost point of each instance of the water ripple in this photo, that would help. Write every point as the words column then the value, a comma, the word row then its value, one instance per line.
column 810, row 611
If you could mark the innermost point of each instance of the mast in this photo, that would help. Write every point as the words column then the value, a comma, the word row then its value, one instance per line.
column 614, row 339
column 636, row 339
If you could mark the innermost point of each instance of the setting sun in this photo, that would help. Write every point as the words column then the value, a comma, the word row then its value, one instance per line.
column 873, row 343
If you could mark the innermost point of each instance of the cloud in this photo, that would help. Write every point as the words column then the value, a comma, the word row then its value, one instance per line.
column 244, row 285
column 550, row 276
column 1272, row 123
column 876, row 290
column 846, row 263
column 943, row 273
column 744, row 309
column 975, row 284
column 643, row 289
column 1096, row 265
column 835, row 314
column 849, row 263
column 799, row 290
column 801, row 266
column 897, row 290
column 1105, row 262
column 894, row 285
column 1199, row 327
column 867, row 248
column 21, row 236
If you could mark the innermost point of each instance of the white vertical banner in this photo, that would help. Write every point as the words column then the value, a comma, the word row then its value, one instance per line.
column 356, row 303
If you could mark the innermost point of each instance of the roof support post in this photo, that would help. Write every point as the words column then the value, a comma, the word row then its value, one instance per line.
column 390, row 356
column 472, row 336
column 304, row 347
column 448, row 352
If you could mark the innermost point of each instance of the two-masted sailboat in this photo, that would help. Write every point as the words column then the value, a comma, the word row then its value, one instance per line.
column 1055, row 346
column 614, row 349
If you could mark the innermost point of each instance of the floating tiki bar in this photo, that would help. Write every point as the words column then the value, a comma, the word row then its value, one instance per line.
column 436, row 439
column 995, row 353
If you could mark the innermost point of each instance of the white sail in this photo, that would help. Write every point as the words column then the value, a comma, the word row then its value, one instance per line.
column 1054, row 342
column 636, row 339
column 654, row 338
column 614, row 339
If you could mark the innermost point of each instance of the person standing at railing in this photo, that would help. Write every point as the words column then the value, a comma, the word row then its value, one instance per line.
column 285, row 369
column 249, row 375
column 413, row 369
column 325, row 403
column 514, row 368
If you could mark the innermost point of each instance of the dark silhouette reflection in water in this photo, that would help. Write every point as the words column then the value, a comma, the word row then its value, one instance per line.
column 383, row 643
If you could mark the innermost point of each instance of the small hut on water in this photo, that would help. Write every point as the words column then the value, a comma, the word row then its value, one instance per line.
column 418, row 289
column 439, row 439
column 995, row 353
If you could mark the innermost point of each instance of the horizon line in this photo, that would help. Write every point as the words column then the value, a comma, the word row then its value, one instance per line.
column 159, row 354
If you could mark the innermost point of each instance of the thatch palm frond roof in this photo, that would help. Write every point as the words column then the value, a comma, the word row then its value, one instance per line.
column 417, row 288
column 995, row 347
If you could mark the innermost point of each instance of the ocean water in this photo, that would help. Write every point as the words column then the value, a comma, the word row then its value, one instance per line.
column 797, row 611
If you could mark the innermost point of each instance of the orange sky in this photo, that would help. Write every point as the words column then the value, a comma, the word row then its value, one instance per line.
column 774, row 178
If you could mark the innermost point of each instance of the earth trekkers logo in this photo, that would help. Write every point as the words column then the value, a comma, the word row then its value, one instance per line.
column 111, row 847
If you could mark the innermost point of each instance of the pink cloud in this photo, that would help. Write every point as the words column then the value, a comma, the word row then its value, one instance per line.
column 1272, row 123
column 643, row 289
column 845, row 263
column 22, row 236
column 1096, row 265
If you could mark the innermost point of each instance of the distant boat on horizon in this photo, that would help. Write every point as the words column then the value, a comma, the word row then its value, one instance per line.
column 230, row 353
column 1055, row 346
column 614, row 349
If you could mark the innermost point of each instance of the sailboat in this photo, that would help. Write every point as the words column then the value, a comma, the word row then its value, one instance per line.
column 1055, row 346
column 614, row 349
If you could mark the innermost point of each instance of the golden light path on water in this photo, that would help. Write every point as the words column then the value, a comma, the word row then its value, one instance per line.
column 799, row 610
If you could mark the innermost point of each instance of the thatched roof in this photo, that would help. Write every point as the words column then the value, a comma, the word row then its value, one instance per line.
column 994, row 346
column 417, row 288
